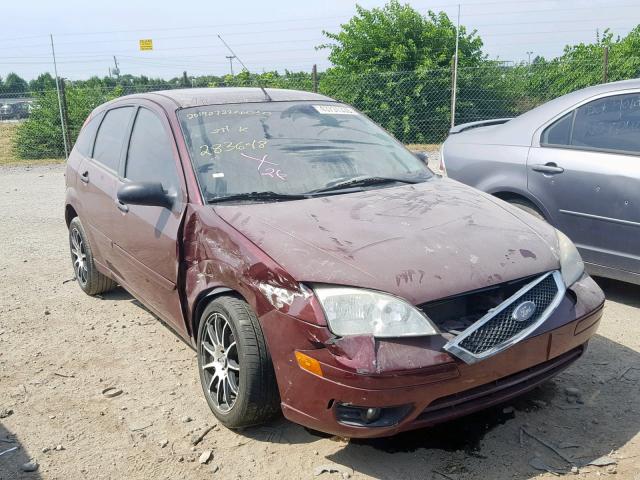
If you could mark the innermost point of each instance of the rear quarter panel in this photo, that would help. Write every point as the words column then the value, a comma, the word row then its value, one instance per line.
column 487, row 167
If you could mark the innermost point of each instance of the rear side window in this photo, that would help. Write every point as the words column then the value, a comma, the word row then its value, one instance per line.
column 611, row 123
column 559, row 133
column 150, row 156
column 111, row 135
column 84, row 143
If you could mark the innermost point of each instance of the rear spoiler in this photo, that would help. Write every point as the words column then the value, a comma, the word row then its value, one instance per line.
column 482, row 123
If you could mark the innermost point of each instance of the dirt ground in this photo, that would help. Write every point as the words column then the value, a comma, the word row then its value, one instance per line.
column 59, row 349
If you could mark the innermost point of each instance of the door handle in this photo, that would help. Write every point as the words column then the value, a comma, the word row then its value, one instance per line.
column 122, row 207
column 85, row 177
column 548, row 168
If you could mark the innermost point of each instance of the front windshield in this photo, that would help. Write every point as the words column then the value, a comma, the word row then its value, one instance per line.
column 289, row 148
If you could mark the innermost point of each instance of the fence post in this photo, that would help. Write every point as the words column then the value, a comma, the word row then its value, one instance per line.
column 454, row 82
column 65, row 115
column 314, row 77
column 64, row 129
column 605, row 65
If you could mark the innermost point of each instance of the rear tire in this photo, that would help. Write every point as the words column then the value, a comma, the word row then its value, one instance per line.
column 91, row 281
column 236, row 371
column 527, row 206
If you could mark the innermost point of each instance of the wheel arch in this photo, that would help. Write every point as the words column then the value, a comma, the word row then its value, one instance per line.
column 506, row 195
column 203, row 299
column 69, row 213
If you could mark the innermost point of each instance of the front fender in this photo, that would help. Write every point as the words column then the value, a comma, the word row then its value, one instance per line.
column 218, row 259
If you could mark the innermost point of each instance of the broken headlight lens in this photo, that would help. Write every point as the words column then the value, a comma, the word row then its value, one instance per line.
column 355, row 311
column 571, row 264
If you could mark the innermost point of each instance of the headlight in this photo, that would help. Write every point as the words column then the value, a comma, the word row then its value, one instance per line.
column 355, row 311
column 571, row 264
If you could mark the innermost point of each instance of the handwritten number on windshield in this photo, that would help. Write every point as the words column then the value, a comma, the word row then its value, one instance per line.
column 267, row 171
column 218, row 148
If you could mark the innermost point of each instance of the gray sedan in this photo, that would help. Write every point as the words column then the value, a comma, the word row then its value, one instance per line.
column 574, row 161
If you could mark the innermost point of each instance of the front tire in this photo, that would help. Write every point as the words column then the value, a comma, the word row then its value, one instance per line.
column 236, row 372
column 91, row 281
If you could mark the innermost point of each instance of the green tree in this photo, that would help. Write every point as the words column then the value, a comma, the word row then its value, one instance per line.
column 394, row 64
column 15, row 84
column 44, row 81
column 398, row 38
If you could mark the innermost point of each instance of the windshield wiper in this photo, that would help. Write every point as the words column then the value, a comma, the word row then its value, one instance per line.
column 256, row 196
column 364, row 182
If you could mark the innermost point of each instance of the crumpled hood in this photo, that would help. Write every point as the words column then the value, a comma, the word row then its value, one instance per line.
column 421, row 242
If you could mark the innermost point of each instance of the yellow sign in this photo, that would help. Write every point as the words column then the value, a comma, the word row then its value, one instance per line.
column 146, row 44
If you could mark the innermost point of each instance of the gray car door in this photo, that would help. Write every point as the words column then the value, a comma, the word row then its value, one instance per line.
column 585, row 169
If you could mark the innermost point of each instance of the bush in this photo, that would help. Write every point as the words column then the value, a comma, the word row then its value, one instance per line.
column 40, row 136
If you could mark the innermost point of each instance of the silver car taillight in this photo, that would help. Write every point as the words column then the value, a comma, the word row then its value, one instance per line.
column 442, row 166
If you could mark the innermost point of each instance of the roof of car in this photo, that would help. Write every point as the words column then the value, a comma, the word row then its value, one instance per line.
column 192, row 97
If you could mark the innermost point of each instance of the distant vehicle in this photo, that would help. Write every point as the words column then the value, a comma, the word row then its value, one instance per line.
column 6, row 111
column 574, row 161
column 21, row 110
column 316, row 265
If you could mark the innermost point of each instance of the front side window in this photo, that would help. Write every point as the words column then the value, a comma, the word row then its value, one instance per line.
column 289, row 147
column 150, row 156
column 111, row 137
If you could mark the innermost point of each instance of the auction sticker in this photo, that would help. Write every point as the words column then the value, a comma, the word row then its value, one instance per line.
column 335, row 109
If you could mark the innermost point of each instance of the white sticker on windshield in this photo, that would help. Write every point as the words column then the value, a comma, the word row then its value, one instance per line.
column 217, row 175
column 335, row 109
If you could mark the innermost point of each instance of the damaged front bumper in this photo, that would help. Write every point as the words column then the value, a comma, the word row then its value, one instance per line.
column 373, row 388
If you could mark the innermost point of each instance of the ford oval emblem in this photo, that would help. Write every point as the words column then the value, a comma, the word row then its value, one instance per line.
column 524, row 311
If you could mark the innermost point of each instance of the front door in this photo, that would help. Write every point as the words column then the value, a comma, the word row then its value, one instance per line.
column 587, row 174
column 146, row 242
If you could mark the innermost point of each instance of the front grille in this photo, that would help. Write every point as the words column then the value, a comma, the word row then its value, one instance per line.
column 498, row 328
column 503, row 326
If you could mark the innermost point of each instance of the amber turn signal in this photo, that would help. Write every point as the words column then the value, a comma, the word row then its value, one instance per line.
column 309, row 364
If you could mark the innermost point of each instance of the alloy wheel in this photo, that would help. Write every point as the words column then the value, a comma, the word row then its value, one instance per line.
column 79, row 257
column 219, row 362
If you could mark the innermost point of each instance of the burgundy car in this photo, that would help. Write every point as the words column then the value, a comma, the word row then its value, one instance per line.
column 317, row 266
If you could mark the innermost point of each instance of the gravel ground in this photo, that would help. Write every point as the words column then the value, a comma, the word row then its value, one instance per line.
column 59, row 349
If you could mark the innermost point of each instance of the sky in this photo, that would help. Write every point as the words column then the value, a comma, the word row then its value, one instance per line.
column 266, row 35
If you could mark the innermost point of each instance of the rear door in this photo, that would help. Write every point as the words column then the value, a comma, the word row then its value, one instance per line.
column 586, row 171
column 98, row 180
column 146, row 238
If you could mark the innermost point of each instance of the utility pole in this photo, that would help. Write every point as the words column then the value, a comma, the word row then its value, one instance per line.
column 231, row 57
column 454, row 86
column 55, row 71
column 529, row 55
column 116, row 69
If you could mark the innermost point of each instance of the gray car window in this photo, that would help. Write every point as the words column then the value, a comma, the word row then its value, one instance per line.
column 611, row 123
column 150, row 156
column 559, row 132
column 111, row 137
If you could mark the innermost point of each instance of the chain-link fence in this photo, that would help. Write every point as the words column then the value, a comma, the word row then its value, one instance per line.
column 414, row 106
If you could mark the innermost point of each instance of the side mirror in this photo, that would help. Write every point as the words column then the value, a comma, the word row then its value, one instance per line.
column 144, row 193
column 423, row 156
